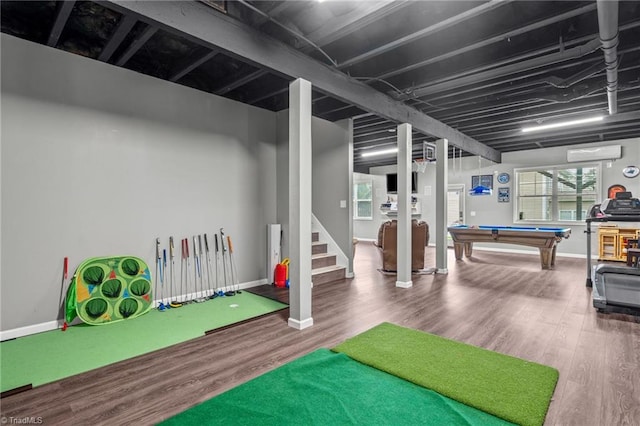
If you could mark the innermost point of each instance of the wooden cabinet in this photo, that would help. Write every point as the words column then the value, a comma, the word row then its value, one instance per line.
column 612, row 241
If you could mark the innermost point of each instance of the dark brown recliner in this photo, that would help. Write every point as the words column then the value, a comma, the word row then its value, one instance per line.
column 388, row 240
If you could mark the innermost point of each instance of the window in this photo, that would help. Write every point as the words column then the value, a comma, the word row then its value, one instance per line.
column 362, row 200
column 556, row 194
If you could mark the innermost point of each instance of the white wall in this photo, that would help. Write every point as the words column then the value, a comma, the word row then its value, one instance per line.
column 487, row 209
column 98, row 160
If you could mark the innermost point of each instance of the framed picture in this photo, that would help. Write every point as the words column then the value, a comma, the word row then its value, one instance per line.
column 503, row 195
column 484, row 180
column 503, row 178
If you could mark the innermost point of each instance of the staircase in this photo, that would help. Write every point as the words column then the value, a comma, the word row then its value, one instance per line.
column 323, row 265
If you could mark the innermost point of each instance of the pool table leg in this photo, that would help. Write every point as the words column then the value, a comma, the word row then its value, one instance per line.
column 547, row 256
column 457, row 249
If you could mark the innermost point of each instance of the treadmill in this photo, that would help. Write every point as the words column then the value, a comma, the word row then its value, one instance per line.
column 616, row 288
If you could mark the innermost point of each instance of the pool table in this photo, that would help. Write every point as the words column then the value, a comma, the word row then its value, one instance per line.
column 545, row 239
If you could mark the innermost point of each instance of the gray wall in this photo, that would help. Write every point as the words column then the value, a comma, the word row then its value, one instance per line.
column 331, row 171
column 330, row 178
column 486, row 208
column 99, row 160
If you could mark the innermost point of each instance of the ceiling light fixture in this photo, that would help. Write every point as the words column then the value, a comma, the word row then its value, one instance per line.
column 380, row 152
column 562, row 124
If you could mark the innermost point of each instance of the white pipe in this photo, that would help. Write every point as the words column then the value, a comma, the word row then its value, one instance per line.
column 608, row 23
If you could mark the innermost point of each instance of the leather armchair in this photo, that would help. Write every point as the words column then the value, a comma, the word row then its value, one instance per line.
column 388, row 240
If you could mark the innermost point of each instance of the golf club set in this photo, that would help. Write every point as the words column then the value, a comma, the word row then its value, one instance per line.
column 204, row 274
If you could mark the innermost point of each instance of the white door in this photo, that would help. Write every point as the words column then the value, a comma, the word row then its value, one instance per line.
column 455, row 207
column 455, row 204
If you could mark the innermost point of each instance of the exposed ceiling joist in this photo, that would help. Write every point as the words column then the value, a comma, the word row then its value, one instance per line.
column 495, row 39
column 186, row 69
column 267, row 95
column 235, row 83
column 136, row 45
column 64, row 10
column 454, row 20
column 204, row 26
column 124, row 26
column 533, row 63
column 353, row 21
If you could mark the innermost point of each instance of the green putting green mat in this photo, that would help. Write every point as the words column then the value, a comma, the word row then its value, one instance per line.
column 326, row 388
column 46, row 357
column 510, row 388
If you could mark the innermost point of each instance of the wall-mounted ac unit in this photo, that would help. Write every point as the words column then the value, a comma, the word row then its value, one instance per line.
column 610, row 152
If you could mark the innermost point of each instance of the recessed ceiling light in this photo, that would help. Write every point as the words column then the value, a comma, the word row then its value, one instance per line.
column 562, row 124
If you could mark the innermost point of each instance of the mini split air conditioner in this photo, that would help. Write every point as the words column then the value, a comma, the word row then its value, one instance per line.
column 610, row 152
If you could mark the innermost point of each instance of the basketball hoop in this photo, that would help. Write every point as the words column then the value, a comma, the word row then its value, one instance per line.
column 419, row 165
column 428, row 156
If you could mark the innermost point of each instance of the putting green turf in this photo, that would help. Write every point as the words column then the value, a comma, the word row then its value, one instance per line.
column 327, row 388
column 513, row 389
column 49, row 356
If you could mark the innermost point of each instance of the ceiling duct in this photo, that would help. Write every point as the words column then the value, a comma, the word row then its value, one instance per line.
column 610, row 152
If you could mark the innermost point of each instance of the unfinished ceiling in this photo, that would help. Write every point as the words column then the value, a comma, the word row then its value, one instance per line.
column 482, row 70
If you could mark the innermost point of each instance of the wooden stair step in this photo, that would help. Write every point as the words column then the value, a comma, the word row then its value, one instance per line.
column 318, row 247
column 328, row 274
column 315, row 237
column 321, row 260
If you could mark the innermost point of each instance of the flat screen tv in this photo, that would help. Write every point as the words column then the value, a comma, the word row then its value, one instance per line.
column 392, row 183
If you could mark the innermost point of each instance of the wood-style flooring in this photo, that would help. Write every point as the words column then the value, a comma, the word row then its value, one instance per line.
column 502, row 302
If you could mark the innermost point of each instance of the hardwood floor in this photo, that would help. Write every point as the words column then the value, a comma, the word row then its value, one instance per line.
column 502, row 302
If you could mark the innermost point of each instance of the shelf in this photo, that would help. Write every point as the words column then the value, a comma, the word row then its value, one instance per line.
column 613, row 242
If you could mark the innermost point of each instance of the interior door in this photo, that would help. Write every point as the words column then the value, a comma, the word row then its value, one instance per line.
column 455, row 204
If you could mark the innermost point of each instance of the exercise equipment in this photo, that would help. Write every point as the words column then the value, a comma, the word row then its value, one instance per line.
column 65, row 275
column 616, row 288
column 218, row 288
column 209, row 268
column 104, row 290
column 224, row 265
column 158, row 268
column 172, row 303
column 234, row 273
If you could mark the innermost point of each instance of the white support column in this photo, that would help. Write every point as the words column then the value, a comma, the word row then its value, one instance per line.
column 300, row 204
column 442, row 182
column 404, row 207
column 349, row 273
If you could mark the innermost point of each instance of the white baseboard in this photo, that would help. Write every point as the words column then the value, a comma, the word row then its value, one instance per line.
column 404, row 284
column 255, row 283
column 349, row 275
column 300, row 325
column 14, row 333
column 30, row 329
